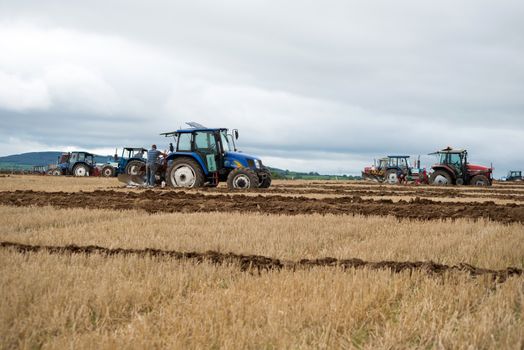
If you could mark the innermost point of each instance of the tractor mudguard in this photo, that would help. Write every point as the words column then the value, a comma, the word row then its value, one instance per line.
column 196, row 157
column 447, row 169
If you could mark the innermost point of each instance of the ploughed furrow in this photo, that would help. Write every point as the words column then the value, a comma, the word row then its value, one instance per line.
column 180, row 201
column 260, row 263
column 413, row 191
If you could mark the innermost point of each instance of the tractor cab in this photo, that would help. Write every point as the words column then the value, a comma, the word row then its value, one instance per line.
column 207, row 156
column 397, row 166
column 453, row 168
column 398, row 162
column 514, row 175
column 133, row 152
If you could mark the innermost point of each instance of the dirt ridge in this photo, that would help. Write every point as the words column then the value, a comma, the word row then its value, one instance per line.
column 259, row 262
column 189, row 202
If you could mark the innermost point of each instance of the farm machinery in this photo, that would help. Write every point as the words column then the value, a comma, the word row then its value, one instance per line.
column 131, row 162
column 453, row 168
column 394, row 169
column 514, row 175
column 76, row 164
column 206, row 156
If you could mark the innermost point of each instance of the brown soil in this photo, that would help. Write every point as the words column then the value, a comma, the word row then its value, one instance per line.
column 260, row 263
column 374, row 189
column 180, row 201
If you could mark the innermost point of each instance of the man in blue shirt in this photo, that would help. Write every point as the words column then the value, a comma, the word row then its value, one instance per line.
column 152, row 165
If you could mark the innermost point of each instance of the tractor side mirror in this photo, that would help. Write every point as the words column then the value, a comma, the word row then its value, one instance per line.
column 236, row 134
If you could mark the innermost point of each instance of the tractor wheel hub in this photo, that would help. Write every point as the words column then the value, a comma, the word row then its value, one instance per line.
column 184, row 176
column 241, row 181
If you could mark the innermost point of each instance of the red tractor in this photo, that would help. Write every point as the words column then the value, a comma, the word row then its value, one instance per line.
column 453, row 169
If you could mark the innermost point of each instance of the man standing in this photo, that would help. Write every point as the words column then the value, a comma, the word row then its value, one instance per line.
column 152, row 165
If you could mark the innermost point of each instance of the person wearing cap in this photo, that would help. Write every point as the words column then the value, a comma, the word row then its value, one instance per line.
column 152, row 165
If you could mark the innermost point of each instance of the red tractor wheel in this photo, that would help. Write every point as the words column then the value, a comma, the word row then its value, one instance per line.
column 440, row 178
column 479, row 180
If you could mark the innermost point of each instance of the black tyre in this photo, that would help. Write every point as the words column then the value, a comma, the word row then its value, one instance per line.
column 242, row 179
column 440, row 178
column 136, row 167
column 479, row 180
column 185, row 172
column 391, row 177
column 108, row 171
column 81, row 170
column 266, row 181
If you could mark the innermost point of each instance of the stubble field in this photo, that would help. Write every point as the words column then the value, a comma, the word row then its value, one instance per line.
column 86, row 263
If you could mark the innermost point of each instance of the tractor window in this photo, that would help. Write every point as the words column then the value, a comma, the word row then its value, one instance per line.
column 81, row 157
column 184, row 142
column 402, row 163
column 205, row 141
column 393, row 162
column 64, row 158
column 74, row 157
column 455, row 159
column 225, row 142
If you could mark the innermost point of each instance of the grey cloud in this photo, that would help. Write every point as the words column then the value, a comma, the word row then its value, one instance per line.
column 302, row 80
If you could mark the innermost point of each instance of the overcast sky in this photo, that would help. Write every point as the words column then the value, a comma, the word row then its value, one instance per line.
column 312, row 85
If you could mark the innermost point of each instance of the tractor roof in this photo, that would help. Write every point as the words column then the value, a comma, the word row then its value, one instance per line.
column 135, row 149
column 86, row 153
column 449, row 150
column 398, row 156
column 185, row 131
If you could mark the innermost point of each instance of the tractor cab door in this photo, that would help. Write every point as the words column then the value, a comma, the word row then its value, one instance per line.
column 89, row 159
column 456, row 160
column 403, row 164
column 206, row 146
column 72, row 160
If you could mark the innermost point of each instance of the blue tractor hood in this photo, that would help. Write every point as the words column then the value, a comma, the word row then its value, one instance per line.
column 239, row 159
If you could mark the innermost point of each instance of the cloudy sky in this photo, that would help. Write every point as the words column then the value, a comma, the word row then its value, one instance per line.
column 312, row 85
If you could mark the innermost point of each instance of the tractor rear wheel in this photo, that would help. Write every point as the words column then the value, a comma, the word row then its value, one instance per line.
column 135, row 167
column 242, row 179
column 185, row 172
column 108, row 171
column 81, row 170
column 391, row 177
column 479, row 180
column 440, row 178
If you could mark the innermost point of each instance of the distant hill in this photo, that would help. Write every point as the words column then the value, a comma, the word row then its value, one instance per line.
column 295, row 175
column 31, row 158
column 27, row 160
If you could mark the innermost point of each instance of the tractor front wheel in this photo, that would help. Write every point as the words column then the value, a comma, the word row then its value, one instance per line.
column 185, row 172
column 479, row 180
column 108, row 171
column 242, row 179
column 266, row 181
column 440, row 178
column 81, row 170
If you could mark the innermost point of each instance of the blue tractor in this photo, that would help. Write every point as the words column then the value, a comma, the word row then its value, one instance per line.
column 76, row 164
column 132, row 162
column 206, row 156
